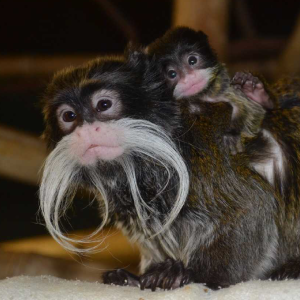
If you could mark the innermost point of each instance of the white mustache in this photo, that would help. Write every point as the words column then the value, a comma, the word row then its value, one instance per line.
column 62, row 176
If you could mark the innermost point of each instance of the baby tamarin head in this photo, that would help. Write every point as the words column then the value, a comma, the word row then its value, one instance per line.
column 188, row 62
column 106, row 123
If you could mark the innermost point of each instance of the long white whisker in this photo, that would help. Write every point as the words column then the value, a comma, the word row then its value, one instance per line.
column 63, row 175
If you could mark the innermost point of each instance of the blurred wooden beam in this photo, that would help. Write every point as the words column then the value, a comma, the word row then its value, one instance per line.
column 267, row 68
column 209, row 16
column 31, row 264
column 39, row 65
column 244, row 18
column 289, row 62
column 21, row 155
column 255, row 49
column 120, row 19
column 115, row 251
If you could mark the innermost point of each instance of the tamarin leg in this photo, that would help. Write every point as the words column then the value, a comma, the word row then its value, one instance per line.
column 253, row 88
column 290, row 270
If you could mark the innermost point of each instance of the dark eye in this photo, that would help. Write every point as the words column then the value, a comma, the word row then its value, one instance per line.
column 69, row 116
column 172, row 74
column 103, row 105
column 192, row 60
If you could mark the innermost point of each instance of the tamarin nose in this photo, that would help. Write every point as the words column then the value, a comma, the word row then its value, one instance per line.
column 188, row 77
column 97, row 129
column 184, row 79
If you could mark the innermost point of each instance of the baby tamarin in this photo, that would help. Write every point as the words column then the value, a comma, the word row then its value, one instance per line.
column 161, row 176
column 194, row 74
column 192, row 70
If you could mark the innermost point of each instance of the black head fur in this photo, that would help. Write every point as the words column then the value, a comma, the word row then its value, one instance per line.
column 181, row 40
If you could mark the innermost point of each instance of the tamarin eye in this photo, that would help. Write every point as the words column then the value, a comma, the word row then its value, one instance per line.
column 69, row 116
column 172, row 74
column 192, row 60
column 103, row 105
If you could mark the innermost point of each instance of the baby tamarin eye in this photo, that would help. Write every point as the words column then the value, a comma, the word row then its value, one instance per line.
column 103, row 105
column 193, row 60
column 172, row 74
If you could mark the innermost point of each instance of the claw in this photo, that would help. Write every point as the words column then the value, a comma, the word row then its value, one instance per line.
column 120, row 277
column 154, row 283
column 165, row 283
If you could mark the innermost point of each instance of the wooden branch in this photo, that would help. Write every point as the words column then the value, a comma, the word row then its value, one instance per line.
column 267, row 68
column 32, row 264
column 210, row 16
column 39, row 65
column 255, row 49
column 116, row 251
column 120, row 19
column 21, row 155
column 244, row 19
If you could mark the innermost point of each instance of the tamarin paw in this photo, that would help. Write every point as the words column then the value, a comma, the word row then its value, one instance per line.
column 252, row 87
column 167, row 275
column 120, row 277
column 289, row 270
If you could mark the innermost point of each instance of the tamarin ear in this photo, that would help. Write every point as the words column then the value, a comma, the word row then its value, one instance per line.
column 135, row 54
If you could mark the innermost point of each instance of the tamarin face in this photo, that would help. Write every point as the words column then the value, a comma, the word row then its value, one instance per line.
column 86, row 102
column 187, row 60
column 93, row 139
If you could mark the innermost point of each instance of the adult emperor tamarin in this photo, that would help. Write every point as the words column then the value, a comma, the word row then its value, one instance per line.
column 197, row 213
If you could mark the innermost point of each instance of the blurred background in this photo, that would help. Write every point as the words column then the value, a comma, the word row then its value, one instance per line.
column 38, row 38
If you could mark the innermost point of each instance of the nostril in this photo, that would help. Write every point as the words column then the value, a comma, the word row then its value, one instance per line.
column 97, row 129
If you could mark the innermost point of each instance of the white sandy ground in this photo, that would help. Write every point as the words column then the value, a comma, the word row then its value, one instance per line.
column 52, row 288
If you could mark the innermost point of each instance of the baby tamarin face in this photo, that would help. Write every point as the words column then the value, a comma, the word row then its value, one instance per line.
column 188, row 63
